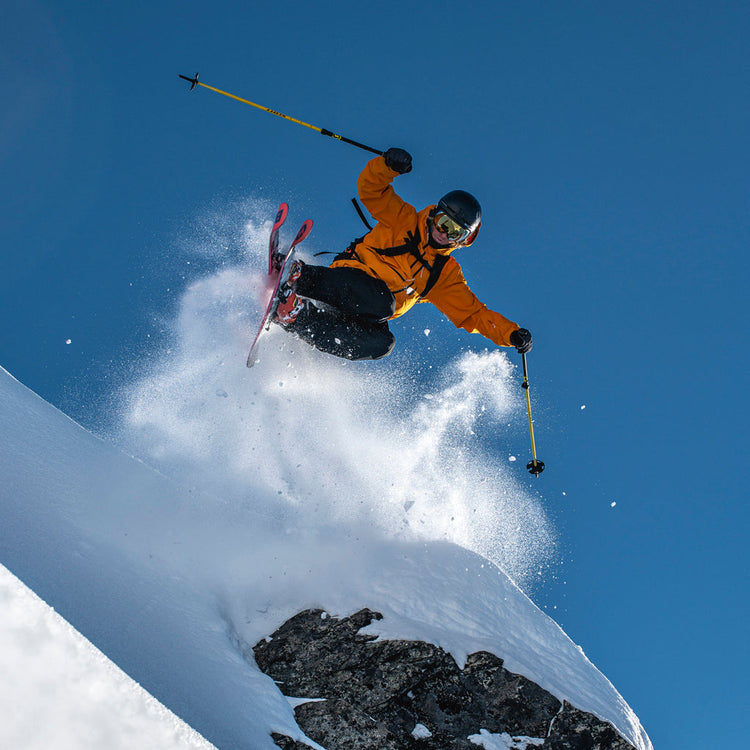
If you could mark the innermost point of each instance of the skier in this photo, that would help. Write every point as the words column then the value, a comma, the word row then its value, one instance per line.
column 344, row 309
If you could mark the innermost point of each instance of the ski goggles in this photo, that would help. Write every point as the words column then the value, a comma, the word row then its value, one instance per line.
column 451, row 228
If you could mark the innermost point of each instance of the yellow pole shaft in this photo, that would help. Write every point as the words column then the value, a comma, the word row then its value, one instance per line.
column 531, row 422
column 259, row 106
column 323, row 131
column 535, row 466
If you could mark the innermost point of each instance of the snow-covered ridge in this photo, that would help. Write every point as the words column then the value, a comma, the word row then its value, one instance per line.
column 166, row 581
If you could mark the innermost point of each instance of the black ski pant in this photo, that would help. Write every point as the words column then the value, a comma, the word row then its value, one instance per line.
column 352, row 321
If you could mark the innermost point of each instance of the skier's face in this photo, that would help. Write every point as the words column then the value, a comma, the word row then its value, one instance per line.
column 454, row 231
column 440, row 240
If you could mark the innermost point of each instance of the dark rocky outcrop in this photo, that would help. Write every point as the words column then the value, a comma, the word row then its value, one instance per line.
column 378, row 691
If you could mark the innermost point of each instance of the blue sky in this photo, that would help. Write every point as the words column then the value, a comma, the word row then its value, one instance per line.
column 607, row 143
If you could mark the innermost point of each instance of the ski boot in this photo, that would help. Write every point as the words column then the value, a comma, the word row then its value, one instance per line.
column 289, row 305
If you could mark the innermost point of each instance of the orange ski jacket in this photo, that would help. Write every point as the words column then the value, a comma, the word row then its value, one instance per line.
column 397, row 251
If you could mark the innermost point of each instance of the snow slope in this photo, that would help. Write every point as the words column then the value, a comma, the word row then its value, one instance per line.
column 58, row 690
column 305, row 482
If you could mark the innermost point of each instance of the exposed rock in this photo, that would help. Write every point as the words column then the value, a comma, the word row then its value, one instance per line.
column 578, row 730
column 377, row 691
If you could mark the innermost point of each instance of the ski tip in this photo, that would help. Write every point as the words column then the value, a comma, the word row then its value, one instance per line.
column 281, row 214
column 304, row 230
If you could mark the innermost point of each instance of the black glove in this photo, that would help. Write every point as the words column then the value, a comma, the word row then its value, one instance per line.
column 521, row 339
column 398, row 160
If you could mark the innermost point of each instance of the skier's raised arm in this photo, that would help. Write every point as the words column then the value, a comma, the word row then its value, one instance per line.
column 375, row 189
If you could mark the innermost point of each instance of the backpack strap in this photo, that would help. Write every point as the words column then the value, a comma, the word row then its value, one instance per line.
column 435, row 271
column 412, row 246
column 349, row 252
column 413, row 241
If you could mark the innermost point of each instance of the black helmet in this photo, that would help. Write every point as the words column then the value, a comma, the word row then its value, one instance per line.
column 464, row 209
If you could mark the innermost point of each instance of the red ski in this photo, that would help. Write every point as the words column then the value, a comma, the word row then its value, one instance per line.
column 277, row 264
column 273, row 240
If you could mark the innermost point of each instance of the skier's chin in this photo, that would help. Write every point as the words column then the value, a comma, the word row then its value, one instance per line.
column 445, row 249
column 441, row 248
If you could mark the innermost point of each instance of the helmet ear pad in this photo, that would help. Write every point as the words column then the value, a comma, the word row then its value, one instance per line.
column 470, row 239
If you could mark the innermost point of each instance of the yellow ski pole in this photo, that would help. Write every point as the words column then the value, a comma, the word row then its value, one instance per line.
column 195, row 82
column 534, row 466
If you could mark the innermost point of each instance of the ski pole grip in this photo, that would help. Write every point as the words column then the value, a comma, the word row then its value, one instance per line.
column 325, row 131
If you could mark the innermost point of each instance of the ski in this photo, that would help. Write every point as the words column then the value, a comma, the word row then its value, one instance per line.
column 273, row 240
column 277, row 264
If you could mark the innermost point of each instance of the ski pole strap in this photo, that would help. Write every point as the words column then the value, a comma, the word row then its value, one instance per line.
column 361, row 214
